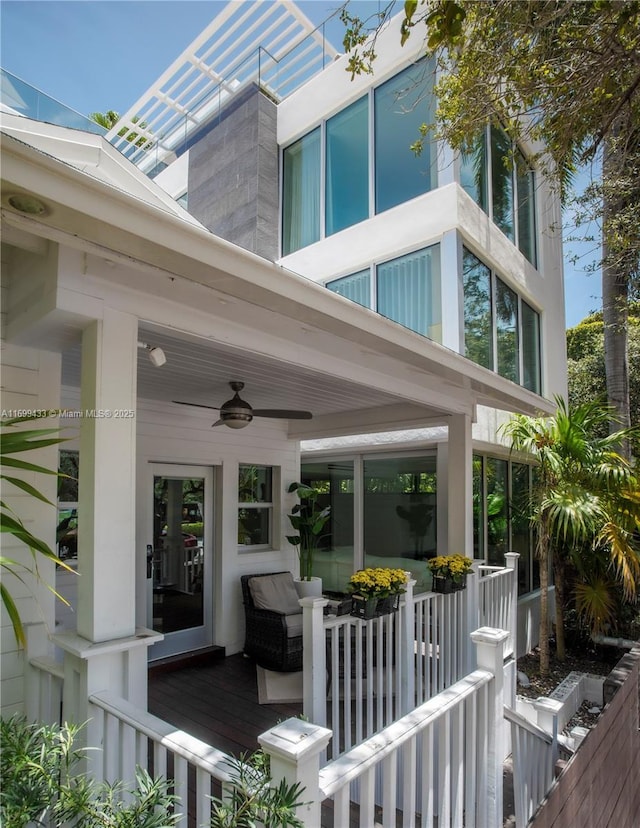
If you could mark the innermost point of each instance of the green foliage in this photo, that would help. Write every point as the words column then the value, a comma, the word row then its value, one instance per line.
column 39, row 772
column 586, row 498
column 586, row 362
column 308, row 520
column 252, row 801
column 110, row 118
column 14, row 441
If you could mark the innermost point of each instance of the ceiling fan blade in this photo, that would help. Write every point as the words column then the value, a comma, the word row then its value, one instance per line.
column 196, row 405
column 281, row 413
column 217, row 423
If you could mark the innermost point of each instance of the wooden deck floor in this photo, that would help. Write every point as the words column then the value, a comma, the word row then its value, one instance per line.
column 217, row 703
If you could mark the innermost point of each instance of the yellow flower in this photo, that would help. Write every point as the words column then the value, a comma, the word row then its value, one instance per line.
column 378, row 582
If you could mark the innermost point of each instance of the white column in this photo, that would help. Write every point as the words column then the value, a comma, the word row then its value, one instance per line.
column 106, row 528
column 460, row 485
column 407, row 653
column 314, row 660
column 490, row 655
column 294, row 749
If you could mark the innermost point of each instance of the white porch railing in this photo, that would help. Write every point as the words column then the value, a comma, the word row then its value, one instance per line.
column 534, row 754
column 498, row 599
column 439, row 765
column 44, row 687
column 360, row 676
column 133, row 737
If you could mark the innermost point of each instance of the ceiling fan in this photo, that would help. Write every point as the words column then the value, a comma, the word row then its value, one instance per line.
column 236, row 413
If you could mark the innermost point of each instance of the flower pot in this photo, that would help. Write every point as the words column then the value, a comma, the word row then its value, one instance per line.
column 368, row 608
column 445, row 585
column 308, row 589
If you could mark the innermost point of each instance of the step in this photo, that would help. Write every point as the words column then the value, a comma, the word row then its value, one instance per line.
column 194, row 658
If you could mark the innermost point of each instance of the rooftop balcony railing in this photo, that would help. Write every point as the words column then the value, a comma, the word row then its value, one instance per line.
column 21, row 98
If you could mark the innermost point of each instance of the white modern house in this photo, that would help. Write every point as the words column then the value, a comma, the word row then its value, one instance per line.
column 408, row 304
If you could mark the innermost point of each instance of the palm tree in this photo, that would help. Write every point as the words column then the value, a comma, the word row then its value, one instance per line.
column 585, row 493
column 110, row 118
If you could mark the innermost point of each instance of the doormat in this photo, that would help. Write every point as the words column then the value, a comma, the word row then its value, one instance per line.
column 278, row 688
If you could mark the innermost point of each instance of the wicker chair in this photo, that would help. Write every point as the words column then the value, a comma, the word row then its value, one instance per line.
column 271, row 637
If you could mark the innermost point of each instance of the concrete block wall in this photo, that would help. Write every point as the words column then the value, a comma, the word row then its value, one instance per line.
column 233, row 174
column 599, row 786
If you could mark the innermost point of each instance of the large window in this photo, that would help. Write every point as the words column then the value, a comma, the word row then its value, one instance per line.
column 530, row 348
column 501, row 498
column 499, row 179
column 334, row 479
column 255, row 506
column 313, row 208
column 478, row 317
column 494, row 314
column 301, row 193
column 383, row 513
column 347, row 187
column 402, row 104
column 356, row 287
column 407, row 290
column 507, row 332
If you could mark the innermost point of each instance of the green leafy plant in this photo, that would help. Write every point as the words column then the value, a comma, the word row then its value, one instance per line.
column 252, row 801
column 309, row 520
column 14, row 441
column 40, row 782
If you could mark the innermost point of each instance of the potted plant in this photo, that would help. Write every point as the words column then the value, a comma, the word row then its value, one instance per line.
column 449, row 572
column 308, row 519
column 376, row 591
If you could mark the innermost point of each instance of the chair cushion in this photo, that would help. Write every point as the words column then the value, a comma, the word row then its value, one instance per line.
column 275, row 592
column 293, row 624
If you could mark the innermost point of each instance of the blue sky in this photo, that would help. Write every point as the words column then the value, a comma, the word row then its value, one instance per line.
column 94, row 55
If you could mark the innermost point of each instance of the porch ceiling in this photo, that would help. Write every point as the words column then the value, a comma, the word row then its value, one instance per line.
column 199, row 371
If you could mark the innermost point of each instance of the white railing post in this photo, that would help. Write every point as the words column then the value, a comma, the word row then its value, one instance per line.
column 512, row 563
column 548, row 711
column 490, row 655
column 408, row 657
column 294, row 749
column 314, row 660
column 473, row 610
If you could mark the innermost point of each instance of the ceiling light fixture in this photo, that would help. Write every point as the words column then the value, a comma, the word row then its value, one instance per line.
column 28, row 204
column 156, row 355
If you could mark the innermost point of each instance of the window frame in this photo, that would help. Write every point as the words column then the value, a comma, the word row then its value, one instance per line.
column 321, row 126
column 262, row 505
column 495, row 277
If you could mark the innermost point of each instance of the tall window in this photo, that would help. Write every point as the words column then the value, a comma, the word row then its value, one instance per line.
column 507, row 332
column 502, row 182
column 347, row 185
column 501, row 508
column 356, row 287
column 409, row 291
column 334, row 480
column 478, row 320
column 301, row 193
column 255, row 505
column 400, row 497
column 495, row 312
column 402, row 104
column 341, row 148
column 530, row 349
column 499, row 179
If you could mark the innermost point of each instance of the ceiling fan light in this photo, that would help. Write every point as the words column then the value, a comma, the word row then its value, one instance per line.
column 238, row 421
